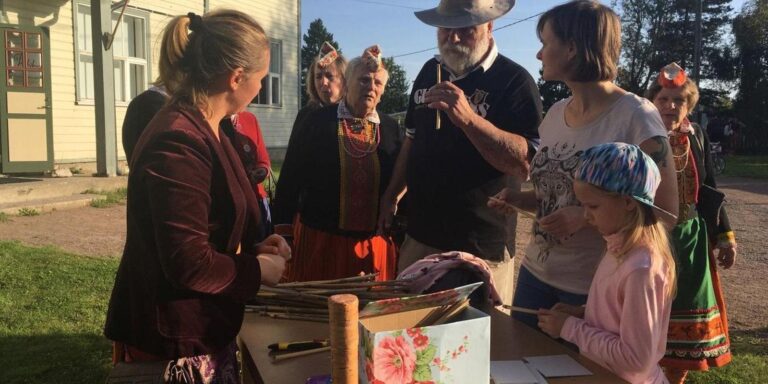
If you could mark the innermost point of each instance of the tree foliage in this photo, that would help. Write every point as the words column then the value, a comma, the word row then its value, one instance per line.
column 551, row 91
column 395, row 97
column 658, row 32
column 750, row 29
column 313, row 40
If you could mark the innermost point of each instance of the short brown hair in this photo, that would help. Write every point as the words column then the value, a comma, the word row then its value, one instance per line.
column 341, row 66
column 225, row 40
column 689, row 88
column 595, row 30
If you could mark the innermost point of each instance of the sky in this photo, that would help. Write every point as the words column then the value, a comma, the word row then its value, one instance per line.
column 358, row 24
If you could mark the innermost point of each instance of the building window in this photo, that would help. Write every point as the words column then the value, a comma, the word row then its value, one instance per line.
column 271, row 86
column 129, row 48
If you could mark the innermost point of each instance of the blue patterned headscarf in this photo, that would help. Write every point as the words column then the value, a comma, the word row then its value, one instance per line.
column 621, row 168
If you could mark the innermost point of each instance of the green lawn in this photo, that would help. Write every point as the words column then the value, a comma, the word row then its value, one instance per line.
column 52, row 310
column 746, row 166
column 53, row 303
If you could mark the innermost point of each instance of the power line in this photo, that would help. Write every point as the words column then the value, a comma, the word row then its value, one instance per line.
column 502, row 27
column 407, row 7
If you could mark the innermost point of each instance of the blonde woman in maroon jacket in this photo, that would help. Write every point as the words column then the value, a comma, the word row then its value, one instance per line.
column 195, row 248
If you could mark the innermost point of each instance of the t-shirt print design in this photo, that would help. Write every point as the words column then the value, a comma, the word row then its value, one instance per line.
column 552, row 177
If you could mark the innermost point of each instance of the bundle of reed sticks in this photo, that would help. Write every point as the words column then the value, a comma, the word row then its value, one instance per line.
column 308, row 300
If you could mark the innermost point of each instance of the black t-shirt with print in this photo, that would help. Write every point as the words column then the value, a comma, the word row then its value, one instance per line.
column 448, row 180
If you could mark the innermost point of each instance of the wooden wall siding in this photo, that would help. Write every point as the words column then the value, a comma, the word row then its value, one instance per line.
column 74, row 137
column 279, row 20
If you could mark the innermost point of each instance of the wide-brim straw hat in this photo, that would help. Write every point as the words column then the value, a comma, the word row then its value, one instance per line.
column 464, row 13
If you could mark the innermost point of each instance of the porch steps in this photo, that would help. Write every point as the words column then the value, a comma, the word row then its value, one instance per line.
column 45, row 193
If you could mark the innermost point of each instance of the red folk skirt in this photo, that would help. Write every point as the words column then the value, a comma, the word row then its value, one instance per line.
column 320, row 255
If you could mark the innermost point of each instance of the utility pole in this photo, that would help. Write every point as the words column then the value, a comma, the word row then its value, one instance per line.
column 697, row 53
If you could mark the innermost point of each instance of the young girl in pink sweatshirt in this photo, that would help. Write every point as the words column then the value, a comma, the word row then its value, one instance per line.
column 624, row 324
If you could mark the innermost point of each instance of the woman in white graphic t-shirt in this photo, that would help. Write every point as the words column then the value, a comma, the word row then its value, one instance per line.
column 581, row 41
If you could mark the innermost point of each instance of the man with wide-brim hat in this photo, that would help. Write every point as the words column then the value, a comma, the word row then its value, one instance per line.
column 471, row 128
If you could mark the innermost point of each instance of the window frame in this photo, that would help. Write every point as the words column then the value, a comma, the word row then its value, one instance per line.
column 126, row 61
column 266, row 83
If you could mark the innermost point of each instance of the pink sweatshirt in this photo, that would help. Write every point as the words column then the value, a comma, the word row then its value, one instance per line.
column 627, row 314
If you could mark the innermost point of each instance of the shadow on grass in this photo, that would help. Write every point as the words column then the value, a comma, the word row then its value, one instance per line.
column 56, row 358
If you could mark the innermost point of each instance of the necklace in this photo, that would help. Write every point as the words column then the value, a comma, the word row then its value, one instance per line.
column 680, row 156
column 360, row 137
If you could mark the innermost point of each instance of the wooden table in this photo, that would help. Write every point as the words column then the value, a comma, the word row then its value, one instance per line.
column 510, row 340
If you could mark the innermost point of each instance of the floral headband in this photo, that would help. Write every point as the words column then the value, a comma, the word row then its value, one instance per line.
column 327, row 55
column 372, row 58
column 672, row 76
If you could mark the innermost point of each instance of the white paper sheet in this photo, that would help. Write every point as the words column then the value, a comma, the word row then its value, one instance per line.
column 557, row 366
column 514, row 372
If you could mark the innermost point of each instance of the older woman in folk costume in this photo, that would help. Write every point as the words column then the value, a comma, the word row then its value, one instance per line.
column 698, row 330
column 337, row 166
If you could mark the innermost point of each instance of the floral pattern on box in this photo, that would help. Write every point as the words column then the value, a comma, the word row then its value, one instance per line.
column 410, row 358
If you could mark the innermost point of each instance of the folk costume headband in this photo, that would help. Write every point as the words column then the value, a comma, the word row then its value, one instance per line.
column 672, row 76
column 327, row 55
column 372, row 58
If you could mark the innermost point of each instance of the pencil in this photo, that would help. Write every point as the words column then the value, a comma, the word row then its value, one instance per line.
column 523, row 212
column 437, row 111
column 284, row 356
column 520, row 309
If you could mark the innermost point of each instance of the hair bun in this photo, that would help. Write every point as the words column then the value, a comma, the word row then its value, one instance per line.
column 196, row 23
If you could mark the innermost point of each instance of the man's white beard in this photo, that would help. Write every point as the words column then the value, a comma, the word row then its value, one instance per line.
column 460, row 58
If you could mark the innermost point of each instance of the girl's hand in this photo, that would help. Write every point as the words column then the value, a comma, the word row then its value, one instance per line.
column 563, row 222
column 726, row 257
column 573, row 310
column 551, row 322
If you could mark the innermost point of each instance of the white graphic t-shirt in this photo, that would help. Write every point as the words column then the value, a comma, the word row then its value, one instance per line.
column 569, row 263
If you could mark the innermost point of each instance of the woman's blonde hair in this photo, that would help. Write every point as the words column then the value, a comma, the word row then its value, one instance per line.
column 689, row 88
column 643, row 227
column 199, row 49
column 595, row 31
column 340, row 64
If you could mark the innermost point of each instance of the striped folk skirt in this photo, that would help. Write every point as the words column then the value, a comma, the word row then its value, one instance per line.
column 320, row 255
column 698, row 326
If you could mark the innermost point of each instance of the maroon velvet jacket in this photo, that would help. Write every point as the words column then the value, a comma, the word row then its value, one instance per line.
column 181, row 286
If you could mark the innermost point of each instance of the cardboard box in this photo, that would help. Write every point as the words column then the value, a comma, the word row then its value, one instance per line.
column 393, row 350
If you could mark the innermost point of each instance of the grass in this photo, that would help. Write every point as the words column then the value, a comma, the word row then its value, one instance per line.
column 749, row 365
column 52, row 310
column 28, row 212
column 746, row 166
column 4, row 217
column 109, row 198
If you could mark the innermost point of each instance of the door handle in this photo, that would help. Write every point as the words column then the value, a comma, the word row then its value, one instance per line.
column 44, row 107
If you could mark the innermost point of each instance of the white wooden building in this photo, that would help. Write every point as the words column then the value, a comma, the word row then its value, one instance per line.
column 47, row 100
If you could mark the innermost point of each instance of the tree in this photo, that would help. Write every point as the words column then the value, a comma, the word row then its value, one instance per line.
column 750, row 30
column 551, row 91
column 657, row 32
column 313, row 40
column 395, row 97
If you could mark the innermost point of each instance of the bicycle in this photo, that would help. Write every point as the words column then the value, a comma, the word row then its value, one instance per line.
column 718, row 158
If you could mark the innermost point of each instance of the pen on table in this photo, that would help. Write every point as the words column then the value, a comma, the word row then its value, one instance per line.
column 298, row 345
